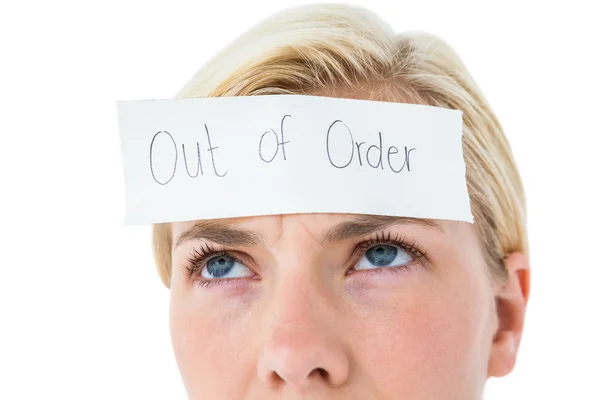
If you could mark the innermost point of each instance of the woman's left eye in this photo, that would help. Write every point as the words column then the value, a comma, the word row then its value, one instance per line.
column 221, row 265
column 383, row 255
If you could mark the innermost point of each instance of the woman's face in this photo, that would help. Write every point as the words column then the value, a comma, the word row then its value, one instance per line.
column 331, row 306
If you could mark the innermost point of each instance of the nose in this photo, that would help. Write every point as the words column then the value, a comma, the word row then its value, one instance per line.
column 301, row 346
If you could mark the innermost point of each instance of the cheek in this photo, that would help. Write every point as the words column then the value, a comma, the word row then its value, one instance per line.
column 210, row 344
column 434, row 337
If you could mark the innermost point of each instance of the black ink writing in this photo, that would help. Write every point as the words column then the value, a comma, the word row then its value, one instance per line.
column 373, row 156
column 199, row 169
column 174, row 162
column 278, row 143
column 212, row 155
column 199, row 165
column 351, row 145
column 406, row 158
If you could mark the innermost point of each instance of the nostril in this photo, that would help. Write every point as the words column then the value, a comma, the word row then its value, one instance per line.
column 276, row 379
column 324, row 374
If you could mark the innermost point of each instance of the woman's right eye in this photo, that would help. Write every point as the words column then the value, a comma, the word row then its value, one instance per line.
column 223, row 264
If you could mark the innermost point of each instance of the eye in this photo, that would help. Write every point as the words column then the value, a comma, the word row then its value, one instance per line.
column 383, row 255
column 223, row 264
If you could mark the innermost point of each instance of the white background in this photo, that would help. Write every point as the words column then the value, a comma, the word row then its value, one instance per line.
column 83, row 314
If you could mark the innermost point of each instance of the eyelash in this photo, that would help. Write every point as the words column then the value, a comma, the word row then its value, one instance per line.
column 195, row 261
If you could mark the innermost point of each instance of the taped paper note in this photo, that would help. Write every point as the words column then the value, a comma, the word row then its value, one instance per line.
column 204, row 158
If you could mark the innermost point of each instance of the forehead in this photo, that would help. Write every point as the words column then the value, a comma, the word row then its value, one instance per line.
column 264, row 222
column 317, row 223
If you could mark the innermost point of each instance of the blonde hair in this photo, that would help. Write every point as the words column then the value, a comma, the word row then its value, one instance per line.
column 329, row 49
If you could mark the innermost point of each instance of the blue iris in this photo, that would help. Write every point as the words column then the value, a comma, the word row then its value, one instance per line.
column 382, row 254
column 219, row 266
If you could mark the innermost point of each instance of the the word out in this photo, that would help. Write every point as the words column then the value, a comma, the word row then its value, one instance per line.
column 166, row 169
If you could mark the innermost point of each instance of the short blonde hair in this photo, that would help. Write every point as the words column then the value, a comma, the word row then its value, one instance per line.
column 334, row 48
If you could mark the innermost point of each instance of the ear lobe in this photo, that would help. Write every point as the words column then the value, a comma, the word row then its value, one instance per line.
column 511, row 302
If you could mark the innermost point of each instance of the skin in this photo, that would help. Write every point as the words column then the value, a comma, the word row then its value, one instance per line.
column 306, row 318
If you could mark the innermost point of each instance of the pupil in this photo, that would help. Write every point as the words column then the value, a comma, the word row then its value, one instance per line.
column 381, row 255
column 220, row 266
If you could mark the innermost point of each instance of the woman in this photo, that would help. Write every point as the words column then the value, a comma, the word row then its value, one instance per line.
column 338, row 306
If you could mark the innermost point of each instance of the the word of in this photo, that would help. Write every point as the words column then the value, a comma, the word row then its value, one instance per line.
column 277, row 143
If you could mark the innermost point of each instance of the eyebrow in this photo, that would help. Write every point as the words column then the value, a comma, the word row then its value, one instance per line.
column 368, row 224
column 222, row 233
column 225, row 234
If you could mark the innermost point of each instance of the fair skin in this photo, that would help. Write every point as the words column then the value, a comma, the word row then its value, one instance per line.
column 340, row 306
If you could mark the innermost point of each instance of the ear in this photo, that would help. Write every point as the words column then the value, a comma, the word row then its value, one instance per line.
column 511, row 301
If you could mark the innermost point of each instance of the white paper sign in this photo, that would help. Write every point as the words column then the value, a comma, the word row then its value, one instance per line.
column 204, row 158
